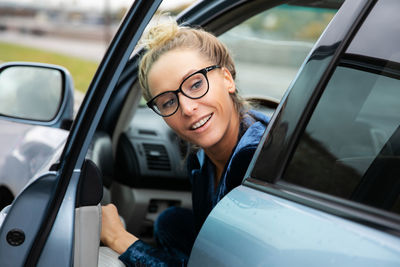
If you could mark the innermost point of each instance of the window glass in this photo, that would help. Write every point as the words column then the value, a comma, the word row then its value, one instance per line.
column 270, row 47
column 381, row 24
column 351, row 145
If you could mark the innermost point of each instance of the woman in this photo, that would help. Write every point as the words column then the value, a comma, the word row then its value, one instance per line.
column 187, row 76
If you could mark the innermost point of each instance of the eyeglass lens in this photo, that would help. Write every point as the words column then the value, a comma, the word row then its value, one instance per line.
column 194, row 86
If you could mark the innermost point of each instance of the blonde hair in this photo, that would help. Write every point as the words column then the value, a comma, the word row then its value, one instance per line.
column 168, row 36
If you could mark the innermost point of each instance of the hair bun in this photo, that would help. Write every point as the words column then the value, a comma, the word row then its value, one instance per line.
column 160, row 34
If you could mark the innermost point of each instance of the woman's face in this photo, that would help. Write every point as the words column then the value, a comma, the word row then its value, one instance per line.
column 210, row 121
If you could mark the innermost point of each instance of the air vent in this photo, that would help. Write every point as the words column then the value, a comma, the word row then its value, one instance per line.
column 157, row 157
column 147, row 132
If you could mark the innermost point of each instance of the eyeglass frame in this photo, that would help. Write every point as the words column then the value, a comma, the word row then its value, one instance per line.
column 203, row 71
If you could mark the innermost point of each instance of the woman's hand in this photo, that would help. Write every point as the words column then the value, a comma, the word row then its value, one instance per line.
column 113, row 233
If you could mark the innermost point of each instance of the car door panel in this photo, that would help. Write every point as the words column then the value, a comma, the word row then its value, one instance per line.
column 23, row 220
column 56, row 253
column 251, row 228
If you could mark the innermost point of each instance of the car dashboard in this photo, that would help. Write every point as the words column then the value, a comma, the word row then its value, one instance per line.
column 150, row 155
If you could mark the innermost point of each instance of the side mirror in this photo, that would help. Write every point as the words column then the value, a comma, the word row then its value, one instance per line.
column 36, row 93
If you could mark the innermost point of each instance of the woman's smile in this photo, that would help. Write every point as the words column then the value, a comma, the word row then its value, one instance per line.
column 201, row 122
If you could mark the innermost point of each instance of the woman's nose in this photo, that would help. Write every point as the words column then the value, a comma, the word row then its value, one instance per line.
column 187, row 105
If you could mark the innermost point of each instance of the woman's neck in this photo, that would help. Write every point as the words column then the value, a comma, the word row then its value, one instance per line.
column 220, row 153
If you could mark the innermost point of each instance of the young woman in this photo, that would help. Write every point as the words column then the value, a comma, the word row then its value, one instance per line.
column 187, row 76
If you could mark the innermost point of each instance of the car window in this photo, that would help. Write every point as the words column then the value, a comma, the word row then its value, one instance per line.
column 270, row 47
column 351, row 145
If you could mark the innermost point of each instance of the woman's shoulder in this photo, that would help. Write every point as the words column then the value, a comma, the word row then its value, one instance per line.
column 257, row 123
column 258, row 116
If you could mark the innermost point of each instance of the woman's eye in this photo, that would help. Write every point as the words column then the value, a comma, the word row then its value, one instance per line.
column 169, row 103
column 196, row 85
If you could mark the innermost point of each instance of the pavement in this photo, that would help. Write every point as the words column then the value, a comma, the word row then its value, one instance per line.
column 86, row 49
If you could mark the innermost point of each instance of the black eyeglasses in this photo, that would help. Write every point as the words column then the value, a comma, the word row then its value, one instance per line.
column 194, row 86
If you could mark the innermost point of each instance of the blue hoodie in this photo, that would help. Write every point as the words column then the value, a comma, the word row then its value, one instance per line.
column 202, row 170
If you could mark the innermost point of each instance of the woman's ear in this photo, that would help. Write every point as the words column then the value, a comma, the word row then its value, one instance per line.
column 228, row 80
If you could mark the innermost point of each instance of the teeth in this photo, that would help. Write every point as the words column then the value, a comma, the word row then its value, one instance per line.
column 200, row 123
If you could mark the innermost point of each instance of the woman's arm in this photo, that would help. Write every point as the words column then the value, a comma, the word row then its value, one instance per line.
column 113, row 233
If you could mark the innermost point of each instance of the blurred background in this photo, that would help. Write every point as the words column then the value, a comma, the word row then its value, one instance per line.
column 268, row 49
column 71, row 33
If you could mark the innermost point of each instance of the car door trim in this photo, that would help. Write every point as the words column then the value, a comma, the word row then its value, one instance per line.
column 349, row 210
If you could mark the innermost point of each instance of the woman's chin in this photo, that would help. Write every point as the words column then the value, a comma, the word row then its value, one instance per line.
column 206, row 142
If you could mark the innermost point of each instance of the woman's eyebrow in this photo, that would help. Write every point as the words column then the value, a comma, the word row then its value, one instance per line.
column 190, row 72
column 187, row 74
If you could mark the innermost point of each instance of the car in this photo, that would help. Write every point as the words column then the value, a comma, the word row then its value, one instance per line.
column 321, row 190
